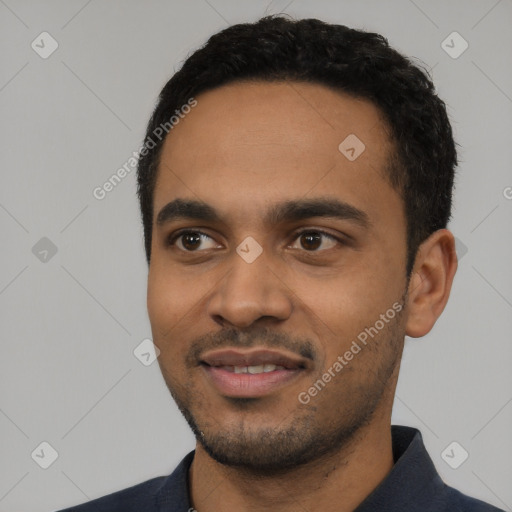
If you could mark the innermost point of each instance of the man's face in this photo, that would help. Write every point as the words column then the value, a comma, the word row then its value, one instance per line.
column 244, row 336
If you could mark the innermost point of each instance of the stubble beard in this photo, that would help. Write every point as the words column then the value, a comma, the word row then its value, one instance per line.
column 310, row 432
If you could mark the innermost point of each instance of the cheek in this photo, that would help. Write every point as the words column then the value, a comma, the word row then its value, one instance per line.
column 160, row 301
column 168, row 301
column 175, row 303
column 340, row 308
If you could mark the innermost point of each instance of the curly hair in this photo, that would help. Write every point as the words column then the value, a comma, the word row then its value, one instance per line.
column 355, row 62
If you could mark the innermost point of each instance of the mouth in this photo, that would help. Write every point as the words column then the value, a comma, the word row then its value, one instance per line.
column 250, row 374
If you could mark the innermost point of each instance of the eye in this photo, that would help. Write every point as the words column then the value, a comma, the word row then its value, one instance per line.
column 313, row 240
column 190, row 241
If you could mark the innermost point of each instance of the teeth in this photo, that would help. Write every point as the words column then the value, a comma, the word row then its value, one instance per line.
column 255, row 369
column 261, row 368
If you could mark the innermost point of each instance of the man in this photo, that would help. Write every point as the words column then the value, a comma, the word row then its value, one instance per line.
column 295, row 188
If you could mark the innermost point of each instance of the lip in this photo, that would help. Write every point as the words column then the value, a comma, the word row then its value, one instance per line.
column 246, row 385
column 254, row 357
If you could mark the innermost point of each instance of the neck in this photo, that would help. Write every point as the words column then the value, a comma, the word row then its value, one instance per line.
column 338, row 482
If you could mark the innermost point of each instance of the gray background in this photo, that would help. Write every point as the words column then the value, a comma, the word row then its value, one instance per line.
column 69, row 325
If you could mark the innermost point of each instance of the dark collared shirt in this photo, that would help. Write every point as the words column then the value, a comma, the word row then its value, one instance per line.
column 413, row 485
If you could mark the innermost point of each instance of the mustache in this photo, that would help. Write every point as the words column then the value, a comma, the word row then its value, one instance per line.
column 259, row 336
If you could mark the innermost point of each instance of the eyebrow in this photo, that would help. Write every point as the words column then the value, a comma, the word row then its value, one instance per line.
column 287, row 211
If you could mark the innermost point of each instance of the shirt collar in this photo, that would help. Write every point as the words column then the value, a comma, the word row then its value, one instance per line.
column 412, row 479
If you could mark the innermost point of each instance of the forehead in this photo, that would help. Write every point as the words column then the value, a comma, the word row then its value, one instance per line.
column 259, row 141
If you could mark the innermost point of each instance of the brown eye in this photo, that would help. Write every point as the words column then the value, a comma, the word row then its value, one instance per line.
column 313, row 240
column 191, row 241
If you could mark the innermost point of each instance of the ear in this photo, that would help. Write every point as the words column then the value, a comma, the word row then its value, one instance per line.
column 431, row 281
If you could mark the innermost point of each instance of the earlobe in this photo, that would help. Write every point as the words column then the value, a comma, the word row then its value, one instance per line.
column 431, row 282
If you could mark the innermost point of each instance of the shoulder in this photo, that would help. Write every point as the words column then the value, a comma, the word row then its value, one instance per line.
column 125, row 500
column 456, row 501
column 149, row 496
column 414, row 483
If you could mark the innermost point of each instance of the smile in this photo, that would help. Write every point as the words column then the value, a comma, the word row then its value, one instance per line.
column 250, row 374
column 253, row 370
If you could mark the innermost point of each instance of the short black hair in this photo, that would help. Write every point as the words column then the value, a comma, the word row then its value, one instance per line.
column 355, row 62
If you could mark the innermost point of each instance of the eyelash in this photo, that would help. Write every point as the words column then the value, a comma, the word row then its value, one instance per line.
column 171, row 240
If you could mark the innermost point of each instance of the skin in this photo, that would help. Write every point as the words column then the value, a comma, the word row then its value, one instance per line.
column 244, row 148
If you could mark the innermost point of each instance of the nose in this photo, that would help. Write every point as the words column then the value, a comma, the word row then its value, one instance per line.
column 249, row 293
